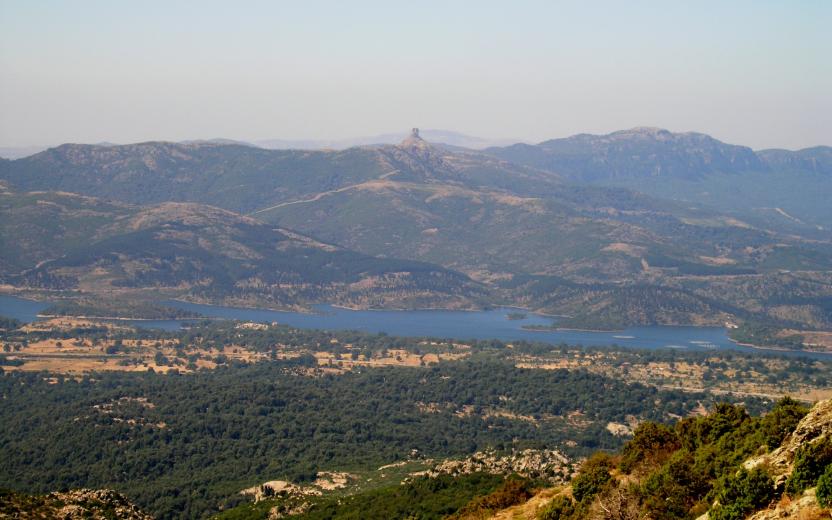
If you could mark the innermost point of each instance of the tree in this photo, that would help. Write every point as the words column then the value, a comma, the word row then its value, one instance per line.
column 651, row 445
column 594, row 476
column 560, row 508
column 781, row 421
column 742, row 493
column 824, row 490
column 810, row 462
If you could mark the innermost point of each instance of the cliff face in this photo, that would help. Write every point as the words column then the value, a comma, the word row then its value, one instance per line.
column 814, row 428
column 87, row 504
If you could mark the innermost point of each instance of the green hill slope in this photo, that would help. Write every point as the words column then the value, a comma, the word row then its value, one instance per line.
column 63, row 241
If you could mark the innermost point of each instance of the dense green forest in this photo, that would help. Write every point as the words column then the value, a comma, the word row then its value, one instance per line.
column 183, row 445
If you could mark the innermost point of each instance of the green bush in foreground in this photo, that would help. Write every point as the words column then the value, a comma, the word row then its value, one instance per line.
column 824, row 490
column 742, row 493
column 594, row 476
column 560, row 508
column 810, row 461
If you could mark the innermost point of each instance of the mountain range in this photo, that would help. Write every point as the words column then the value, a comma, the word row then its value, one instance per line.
column 444, row 137
column 774, row 185
column 612, row 230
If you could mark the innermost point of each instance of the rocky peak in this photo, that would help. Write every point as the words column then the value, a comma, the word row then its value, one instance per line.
column 420, row 157
column 414, row 140
column 815, row 426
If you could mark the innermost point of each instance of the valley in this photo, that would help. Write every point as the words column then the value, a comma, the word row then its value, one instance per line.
column 470, row 230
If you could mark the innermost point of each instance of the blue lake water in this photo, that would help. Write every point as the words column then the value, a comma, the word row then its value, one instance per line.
column 490, row 324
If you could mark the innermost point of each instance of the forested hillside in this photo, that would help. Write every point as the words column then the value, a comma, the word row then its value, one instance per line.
column 728, row 465
column 209, row 435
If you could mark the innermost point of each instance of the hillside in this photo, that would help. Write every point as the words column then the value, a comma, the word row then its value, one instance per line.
column 817, row 159
column 634, row 153
column 606, row 256
column 232, row 176
column 69, row 242
column 83, row 503
column 589, row 250
column 704, row 468
column 235, row 177
column 775, row 187
column 182, row 446
column 710, row 468
column 446, row 205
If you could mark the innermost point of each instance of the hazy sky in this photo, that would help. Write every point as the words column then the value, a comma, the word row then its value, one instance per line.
column 756, row 73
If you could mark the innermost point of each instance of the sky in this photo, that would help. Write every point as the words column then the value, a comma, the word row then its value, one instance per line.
column 757, row 73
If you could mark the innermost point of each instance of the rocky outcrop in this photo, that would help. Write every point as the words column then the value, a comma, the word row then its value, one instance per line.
column 325, row 481
column 815, row 426
column 803, row 508
column 87, row 504
column 549, row 465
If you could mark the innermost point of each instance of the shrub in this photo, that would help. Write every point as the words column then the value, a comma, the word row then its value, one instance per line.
column 512, row 492
column 781, row 421
column 810, row 461
column 824, row 490
column 724, row 418
column 595, row 474
column 741, row 494
column 560, row 508
column 673, row 489
column 651, row 445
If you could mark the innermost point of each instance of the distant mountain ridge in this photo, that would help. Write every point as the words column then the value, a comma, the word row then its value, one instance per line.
column 771, row 185
column 817, row 159
column 444, row 137
column 654, row 152
column 516, row 233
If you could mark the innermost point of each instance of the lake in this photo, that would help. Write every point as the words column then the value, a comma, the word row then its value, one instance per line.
column 488, row 324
